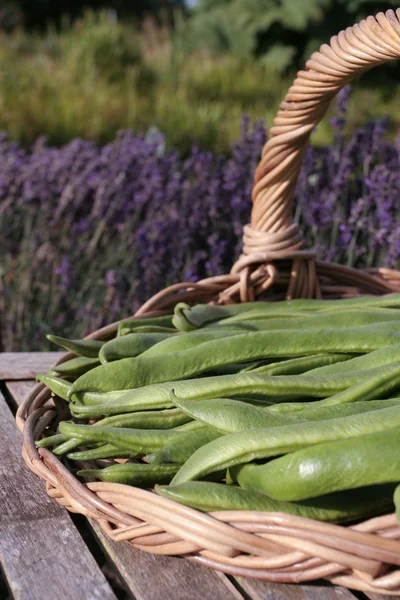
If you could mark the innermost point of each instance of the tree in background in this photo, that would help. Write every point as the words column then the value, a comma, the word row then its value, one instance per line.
column 282, row 33
column 38, row 14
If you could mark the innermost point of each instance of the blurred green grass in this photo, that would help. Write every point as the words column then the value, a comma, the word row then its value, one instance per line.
column 97, row 76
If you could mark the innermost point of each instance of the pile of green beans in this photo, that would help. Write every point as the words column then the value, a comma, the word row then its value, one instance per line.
column 288, row 406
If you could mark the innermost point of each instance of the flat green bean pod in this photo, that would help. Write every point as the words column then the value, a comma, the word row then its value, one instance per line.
column 75, row 366
column 326, row 468
column 242, row 385
column 388, row 325
column 259, row 311
column 130, row 345
column 191, row 426
column 318, row 320
column 150, row 329
column 67, row 445
column 140, row 441
column 186, row 341
column 88, row 348
column 335, row 508
column 138, row 474
column 187, row 318
column 239, row 448
column 230, row 416
column 61, row 388
column 150, row 419
column 234, row 368
column 130, row 325
column 297, row 366
column 376, row 358
column 129, row 373
column 179, row 449
column 58, row 386
column 104, row 451
column 371, row 387
column 52, row 440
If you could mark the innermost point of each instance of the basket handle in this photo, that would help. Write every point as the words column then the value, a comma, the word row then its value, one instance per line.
column 272, row 234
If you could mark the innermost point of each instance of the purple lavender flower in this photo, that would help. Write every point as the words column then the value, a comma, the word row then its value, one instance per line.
column 343, row 98
column 89, row 233
column 64, row 272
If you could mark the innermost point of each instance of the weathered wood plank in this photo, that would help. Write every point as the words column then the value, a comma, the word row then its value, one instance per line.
column 20, row 389
column 41, row 552
column 26, row 365
column 151, row 577
column 260, row 590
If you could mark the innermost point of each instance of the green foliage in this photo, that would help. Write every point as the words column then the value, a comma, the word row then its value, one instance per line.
column 281, row 32
column 99, row 75
column 279, row 57
column 39, row 14
column 97, row 46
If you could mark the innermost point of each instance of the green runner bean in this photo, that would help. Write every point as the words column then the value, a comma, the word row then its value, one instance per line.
column 230, row 416
column 105, row 451
column 138, row 474
column 187, row 318
column 179, row 449
column 376, row 358
column 238, row 448
column 245, row 386
column 150, row 329
column 67, row 446
column 150, row 419
column 130, row 325
column 326, row 468
column 344, row 318
column 371, row 303
column 88, row 348
column 337, row 508
column 186, row 341
column 297, row 366
column 191, row 426
column 130, row 345
column 129, row 373
column 140, row 441
column 52, row 440
column 61, row 388
column 372, row 387
column 75, row 366
column 58, row 386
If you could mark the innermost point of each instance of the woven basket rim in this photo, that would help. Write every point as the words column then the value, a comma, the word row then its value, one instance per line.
column 274, row 547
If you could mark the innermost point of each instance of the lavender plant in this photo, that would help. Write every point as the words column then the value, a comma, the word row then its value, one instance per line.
column 89, row 233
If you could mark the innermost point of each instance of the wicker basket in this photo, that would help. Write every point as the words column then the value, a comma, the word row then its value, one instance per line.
column 274, row 265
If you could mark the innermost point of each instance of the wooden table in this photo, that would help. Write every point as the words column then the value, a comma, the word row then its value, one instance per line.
column 47, row 553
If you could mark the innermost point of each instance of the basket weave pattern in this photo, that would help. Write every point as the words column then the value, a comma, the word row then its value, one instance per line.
column 274, row 264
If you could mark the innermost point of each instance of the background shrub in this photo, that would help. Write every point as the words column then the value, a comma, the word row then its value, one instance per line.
column 96, row 75
column 281, row 33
